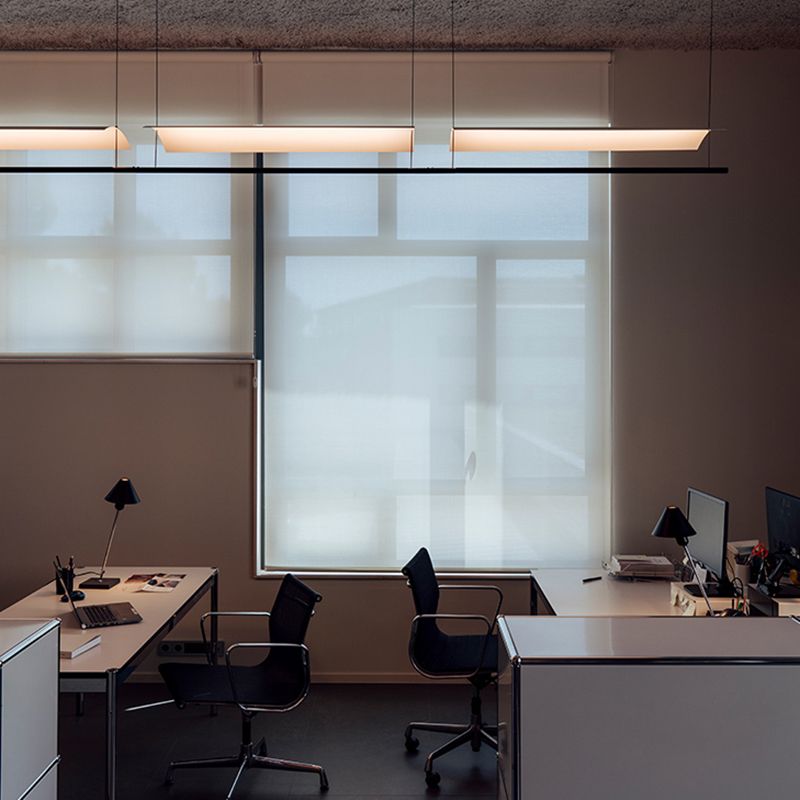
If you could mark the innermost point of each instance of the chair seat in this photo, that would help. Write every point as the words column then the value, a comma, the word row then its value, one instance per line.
column 461, row 655
column 258, row 685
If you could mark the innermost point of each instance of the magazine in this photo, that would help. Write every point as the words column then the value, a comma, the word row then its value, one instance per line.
column 153, row 582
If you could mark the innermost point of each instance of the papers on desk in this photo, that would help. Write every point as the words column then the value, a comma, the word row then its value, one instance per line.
column 74, row 644
column 153, row 582
column 641, row 567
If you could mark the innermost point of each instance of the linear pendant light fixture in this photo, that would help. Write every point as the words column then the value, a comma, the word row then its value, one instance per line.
column 284, row 139
column 585, row 139
column 81, row 137
column 57, row 138
column 620, row 140
column 260, row 138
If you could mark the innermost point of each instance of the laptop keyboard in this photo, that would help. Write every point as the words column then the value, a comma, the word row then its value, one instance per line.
column 100, row 615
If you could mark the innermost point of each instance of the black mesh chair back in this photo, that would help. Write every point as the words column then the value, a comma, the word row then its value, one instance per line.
column 425, row 591
column 291, row 611
column 288, row 622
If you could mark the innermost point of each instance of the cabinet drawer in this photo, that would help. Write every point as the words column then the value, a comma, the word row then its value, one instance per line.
column 28, row 716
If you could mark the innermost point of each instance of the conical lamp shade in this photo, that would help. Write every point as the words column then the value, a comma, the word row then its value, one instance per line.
column 672, row 524
column 123, row 494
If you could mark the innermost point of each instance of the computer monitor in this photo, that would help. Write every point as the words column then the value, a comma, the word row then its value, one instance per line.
column 708, row 515
column 783, row 523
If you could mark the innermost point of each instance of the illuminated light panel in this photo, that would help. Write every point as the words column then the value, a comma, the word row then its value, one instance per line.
column 284, row 139
column 110, row 138
column 595, row 139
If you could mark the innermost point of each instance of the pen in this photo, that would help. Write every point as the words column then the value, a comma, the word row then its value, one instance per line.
column 595, row 578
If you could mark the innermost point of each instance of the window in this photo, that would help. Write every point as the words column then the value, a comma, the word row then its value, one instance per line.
column 107, row 264
column 119, row 264
column 435, row 366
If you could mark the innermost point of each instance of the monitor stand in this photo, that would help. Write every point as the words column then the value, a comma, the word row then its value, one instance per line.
column 712, row 589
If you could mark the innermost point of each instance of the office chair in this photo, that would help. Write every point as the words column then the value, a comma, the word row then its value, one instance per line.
column 436, row 654
column 278, row 683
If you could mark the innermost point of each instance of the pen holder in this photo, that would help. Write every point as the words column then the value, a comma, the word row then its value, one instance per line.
column 65, row 580
column 742, row 572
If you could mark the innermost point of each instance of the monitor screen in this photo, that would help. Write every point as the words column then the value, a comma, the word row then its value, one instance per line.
column 783, row 522
column 708, row 515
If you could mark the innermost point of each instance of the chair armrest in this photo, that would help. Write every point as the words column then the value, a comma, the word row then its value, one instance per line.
column 208, row 614
column 479, row 587
column 255, row 707
column 476, row 617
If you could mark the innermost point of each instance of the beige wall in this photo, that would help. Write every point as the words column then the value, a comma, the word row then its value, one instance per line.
column 705, row 354
column 706, row 283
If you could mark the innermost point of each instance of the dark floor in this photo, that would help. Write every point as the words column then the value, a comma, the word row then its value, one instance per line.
column 354, row 731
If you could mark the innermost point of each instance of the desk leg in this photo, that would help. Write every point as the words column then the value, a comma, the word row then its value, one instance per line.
column 214, row 620
column 111, row 734
column 214, row 627
column 540, row 605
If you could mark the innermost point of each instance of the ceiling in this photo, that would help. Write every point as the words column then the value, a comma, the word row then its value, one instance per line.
column 387, row 24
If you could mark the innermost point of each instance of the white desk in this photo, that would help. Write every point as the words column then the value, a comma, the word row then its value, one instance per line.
column 561, row 592
column 122, row 648
column 658, row 708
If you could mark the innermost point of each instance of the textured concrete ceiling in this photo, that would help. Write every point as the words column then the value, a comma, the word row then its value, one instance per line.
column 386, row 24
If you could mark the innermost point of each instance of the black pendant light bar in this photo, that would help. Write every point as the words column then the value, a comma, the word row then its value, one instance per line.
column 267, row 170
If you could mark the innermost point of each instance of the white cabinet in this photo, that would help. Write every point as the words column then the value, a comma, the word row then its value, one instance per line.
column 660, row 708
column 28, row 709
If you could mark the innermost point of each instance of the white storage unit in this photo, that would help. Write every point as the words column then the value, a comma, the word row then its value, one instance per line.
column 627, row 708
column 28, row 709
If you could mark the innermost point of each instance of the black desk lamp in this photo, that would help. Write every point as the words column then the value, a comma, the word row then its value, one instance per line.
column 123, row 494
column 672, row 524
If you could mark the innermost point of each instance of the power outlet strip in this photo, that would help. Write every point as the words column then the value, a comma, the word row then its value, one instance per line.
column 170, row 648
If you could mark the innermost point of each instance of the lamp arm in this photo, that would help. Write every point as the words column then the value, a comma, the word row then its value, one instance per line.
column 701, row 585
column 110, row 540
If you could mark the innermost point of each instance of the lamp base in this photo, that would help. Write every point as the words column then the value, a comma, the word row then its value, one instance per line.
column 99, row 583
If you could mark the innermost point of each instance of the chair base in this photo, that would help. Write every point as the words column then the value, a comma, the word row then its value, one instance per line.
column 251, row 756
column 476, row 733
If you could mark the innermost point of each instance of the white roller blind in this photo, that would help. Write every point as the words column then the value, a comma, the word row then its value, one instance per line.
column 125, row 264
column 436, row 368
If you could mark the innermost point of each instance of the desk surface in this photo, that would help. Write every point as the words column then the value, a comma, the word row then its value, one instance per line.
column 568, row 596
column 118, row 645
column 749, row 640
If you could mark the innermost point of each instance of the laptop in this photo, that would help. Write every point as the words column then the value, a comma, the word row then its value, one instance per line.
column 105, row 614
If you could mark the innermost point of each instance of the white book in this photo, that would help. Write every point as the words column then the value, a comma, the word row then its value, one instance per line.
column 73, row 643
column 641, row 566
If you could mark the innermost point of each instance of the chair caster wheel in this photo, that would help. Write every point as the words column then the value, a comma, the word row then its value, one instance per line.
column 168, row 780
column 323, row 782
column 432, row 779
column 412, row 744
